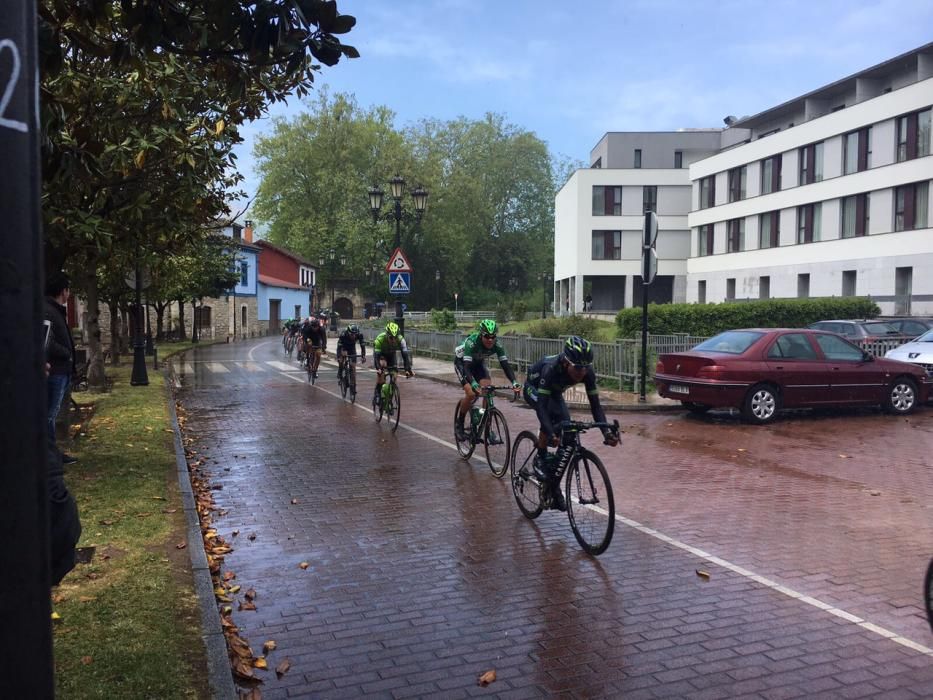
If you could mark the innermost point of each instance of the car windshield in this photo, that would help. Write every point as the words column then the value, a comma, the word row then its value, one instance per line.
column 730, row 342
column 880, row 328
column 926, row 337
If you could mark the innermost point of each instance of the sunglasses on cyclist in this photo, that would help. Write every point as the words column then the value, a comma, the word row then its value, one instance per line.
column 489, row 336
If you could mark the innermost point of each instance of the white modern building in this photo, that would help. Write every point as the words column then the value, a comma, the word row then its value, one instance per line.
column 599, row 218
column 826, row 194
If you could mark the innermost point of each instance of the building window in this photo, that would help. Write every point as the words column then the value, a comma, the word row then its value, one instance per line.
column 708, row 192
column 598, row 164
column 649, row 197
column 730, row 288
column 637, row 157
column 678, row 159
column 809, row 222
column 771, row 174
column 857, row 151
column 803, row 286
column 911, row 206
column 607, row 200
column 855, row 215
column 607, row 245
column 764, row 287
column 705, row 240
column 768, row 229
column 735, row 242
column 237, row 232
column 701, row 292
column 737, row 184
column 244, row 276
column 297, row 311
column 848, row 283
column 811, row 163
column 913, row 135
column 202, row 316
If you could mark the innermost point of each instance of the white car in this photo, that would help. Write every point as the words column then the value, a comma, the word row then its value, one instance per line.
column 919, row 351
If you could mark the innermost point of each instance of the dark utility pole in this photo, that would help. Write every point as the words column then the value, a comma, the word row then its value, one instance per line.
column 26, row 635
column 139, row 377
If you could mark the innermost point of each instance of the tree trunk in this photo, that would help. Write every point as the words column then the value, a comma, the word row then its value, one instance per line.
column 96, row 379
column 160, row 307
column 127, row 337
column 182, row 333
column 195, row 331
column 116, row 340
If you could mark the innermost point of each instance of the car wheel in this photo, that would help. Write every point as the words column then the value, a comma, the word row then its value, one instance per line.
column 697, row 408
column 762, row 404
column 902, row 396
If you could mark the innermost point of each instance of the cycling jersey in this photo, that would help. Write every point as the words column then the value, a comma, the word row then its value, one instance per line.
column 315, row 337
column 469, row 359
column 544, row 390
column 346, row 342
column 386, row 345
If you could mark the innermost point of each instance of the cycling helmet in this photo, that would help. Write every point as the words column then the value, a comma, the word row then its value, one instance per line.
column 392, row 328
column 354, row 329
column 578, row 351
column 488, row 327
column 315, row 322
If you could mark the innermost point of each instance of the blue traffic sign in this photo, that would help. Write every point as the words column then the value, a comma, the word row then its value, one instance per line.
column 399, row 283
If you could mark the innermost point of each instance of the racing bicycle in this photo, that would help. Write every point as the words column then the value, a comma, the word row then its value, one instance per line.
column 312, row 360
column 388, row 402
column 489, row 427
column 346, row 376
column 588, row 493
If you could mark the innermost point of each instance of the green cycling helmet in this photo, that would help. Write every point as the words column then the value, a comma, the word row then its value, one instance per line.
column 392, row 328
column 488, row 327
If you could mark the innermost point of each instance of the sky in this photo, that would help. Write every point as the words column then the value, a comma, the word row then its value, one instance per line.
column 571, row 71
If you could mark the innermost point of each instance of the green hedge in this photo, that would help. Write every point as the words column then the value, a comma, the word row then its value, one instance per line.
column 563, row 326
column 710, row 319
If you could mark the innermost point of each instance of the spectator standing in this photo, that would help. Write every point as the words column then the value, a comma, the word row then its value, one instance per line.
column 60, row 353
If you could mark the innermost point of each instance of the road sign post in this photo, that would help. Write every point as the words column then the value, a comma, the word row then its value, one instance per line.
column 649, row 270
column 399, row 270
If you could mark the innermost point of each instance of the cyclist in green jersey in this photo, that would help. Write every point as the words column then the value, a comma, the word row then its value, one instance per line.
column 469, row 364
column 384, row 348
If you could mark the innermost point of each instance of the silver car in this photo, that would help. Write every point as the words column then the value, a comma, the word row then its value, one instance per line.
column 918, row 351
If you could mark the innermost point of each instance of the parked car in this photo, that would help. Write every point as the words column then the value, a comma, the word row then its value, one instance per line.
column 918, row 352
column 912, row 326
column 856, row 331
column 762, row 370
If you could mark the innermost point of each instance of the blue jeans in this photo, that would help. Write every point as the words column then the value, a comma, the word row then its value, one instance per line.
column 57, row 385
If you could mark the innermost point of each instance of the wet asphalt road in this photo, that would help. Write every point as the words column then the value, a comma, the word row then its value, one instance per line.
column 424, row 574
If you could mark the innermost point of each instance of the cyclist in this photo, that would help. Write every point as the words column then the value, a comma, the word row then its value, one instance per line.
column 544, row 391
column 469, row 364
column 289, row 330
column 346, row 346
column 384, row 348
column 315, row 342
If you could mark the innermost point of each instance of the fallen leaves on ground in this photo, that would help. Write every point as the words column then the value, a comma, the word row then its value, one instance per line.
column 703, row 574
column 181, row 545
column 87, row 660
column 247, row 605
column 486, row 678
column 282, row 668
column 303, row 565
column 268, row 647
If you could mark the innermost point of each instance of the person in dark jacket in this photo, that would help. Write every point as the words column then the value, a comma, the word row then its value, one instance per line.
column 60, row 352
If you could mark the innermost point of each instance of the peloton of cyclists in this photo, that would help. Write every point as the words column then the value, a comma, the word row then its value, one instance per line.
column 544, row 391
column 346, row 349
column 315, row 342
column 385, row 346
column 469, row 364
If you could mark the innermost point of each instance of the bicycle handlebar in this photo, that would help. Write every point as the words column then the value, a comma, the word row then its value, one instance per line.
column 583, row 426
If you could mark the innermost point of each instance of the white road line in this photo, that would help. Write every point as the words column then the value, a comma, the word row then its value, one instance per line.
column 254, row 349
column 250, row 366
column 187, row 368
column 216, row 367
column 706, row 556
column 283, row 366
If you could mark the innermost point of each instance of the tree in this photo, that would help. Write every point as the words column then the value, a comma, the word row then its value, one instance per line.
column 141, row 107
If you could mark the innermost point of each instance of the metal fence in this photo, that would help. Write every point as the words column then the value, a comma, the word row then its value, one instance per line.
column 460, row 315
column 617, row 362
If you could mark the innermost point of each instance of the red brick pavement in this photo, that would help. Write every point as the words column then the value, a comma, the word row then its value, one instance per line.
column 423, row 574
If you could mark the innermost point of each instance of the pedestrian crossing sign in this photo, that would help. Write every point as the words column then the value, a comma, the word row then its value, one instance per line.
column 399, row 283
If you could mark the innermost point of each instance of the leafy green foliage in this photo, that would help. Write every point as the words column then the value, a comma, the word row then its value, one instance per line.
column 443, row 319
column 563, row 326
column 710, row 319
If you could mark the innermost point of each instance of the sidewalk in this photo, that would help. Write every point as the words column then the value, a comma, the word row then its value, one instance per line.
column 611, row 399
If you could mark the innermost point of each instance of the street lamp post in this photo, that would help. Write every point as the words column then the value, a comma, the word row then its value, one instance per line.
column 420, row 197
column 139, row 376
column 332, row 256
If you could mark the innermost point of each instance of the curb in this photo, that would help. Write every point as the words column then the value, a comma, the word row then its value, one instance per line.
column 215, row 645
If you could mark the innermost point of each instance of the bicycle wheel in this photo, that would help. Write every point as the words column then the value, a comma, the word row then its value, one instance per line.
column 525, row 485
column 588, row 489
column 395, row 406
column 466, row 446
column 343, row 381
column 498, row 445
column 308, row 370
column 377, row 405
column 352, row 384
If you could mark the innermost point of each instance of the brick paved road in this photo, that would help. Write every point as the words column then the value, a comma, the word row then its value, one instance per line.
column 423, row 574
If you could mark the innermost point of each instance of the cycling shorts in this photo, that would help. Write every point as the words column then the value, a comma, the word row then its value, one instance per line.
column 477, row 369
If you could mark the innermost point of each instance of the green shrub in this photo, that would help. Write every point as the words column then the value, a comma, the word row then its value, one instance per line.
column 563, row 326
column 710, row 319
column 519, row 309
column 443, row 319
column 503, row 313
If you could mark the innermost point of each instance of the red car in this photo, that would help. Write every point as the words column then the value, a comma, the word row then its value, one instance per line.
column 762, row 370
